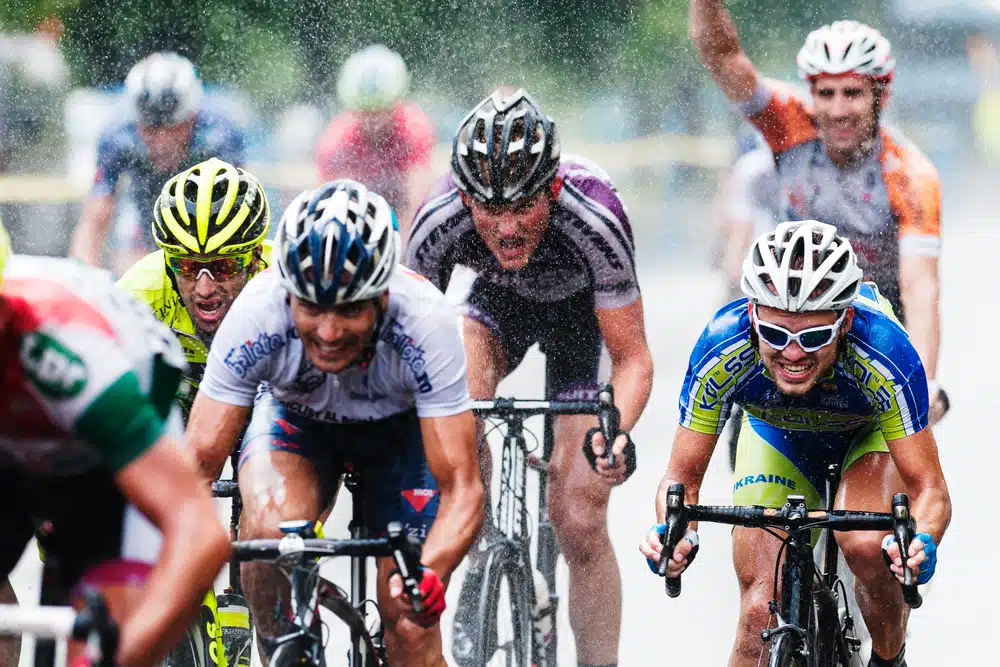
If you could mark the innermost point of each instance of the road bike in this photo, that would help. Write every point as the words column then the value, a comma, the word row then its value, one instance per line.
column 91, row 624
column 814, row 627
column 529, row 611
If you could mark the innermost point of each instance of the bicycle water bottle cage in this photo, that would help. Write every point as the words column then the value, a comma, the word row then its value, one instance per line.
column 300, row 527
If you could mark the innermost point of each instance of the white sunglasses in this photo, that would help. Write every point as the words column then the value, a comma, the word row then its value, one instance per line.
column 809, row 340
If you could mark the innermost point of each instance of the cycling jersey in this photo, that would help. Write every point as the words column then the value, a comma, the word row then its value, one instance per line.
column 383, row 162
column 888, row 203
column 877, row 385
column 418, row 361
column 152, row 283
column 89, row 374
column 120, row 151
column 752, row 191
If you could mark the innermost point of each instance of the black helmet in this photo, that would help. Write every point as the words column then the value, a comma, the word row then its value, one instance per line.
column 506, row 149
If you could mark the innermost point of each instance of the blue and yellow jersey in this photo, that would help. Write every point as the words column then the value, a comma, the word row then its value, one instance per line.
column 877, row 382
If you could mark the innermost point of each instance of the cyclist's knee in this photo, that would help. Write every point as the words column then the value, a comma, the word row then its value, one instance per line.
column 580, row 527
column 863, row 553
column 754, row 617
column 409, row 643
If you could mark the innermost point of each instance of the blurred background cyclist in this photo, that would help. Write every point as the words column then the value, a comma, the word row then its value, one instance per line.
column 166, row 130
column 381, row 139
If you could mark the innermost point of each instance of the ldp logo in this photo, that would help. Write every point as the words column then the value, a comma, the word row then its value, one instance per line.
column 56, row 370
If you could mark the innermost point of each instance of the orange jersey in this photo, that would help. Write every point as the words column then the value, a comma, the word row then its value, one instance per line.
column 888, row 203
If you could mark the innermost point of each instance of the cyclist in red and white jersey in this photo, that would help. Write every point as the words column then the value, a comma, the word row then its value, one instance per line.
column 381, row 139
column 838, row 164
column 89, row 377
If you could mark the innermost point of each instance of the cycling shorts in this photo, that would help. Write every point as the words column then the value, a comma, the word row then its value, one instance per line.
column 88, row 531
column 389, row 453
column 766, row 473
column 566, row 331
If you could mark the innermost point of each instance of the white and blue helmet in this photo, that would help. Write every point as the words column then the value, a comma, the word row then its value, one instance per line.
column 338, row 243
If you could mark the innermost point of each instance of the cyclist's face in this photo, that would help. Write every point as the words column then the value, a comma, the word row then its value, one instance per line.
column 795, row 371
column 334, row 337
column 209, row 297
column 845, row 111
column 512, row 232
column 166, row 144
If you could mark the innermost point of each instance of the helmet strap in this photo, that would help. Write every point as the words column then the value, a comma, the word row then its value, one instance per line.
column 369, row 350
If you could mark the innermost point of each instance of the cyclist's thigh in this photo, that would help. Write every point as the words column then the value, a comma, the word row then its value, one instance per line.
column 288, row 468
column 869, row 476
column 508, row 326
column 485, row 359
column 768, row 469
column 398, row 484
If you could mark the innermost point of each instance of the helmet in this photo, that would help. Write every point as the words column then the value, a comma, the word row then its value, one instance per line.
column 337, row 243
column 506, row 149
column 802, row 266
column 372, row 79
column 163, row 89
column 4, row 249
column 845, row 47
column 213, row 208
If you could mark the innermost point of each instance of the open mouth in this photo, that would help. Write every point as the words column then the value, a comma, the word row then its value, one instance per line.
column 796, row 372
column 210, row 310
column 512, row 248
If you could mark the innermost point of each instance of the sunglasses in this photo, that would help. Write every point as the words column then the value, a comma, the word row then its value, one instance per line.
column 221, row 268
column 809, row 340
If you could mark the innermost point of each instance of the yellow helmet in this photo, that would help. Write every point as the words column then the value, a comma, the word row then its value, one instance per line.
column 211, row 209
column 4, row 248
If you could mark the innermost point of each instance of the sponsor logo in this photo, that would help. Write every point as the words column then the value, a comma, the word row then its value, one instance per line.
column 597, row 240
column 56, row 370
column 419, row 498
column 241, row 359
column 764, row 479
column 410, row 352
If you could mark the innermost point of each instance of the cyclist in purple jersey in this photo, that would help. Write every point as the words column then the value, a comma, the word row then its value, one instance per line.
column 548, row 257
column 167, row 132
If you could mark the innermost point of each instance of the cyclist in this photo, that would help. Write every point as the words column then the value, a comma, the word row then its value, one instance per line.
column 167, row 130
column 87, row 443
column 837, row 163
column 380, row 140
column 210, row 222
column 826, row 375
column 550, row 245
column 364, row 368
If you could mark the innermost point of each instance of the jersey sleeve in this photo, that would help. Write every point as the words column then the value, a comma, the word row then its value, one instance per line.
column 782, row 117
column 111, row 162
column 914, row 190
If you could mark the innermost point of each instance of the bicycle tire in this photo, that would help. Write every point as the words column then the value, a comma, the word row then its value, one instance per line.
column 289, row 654
column 823, row 640
column 785, row 652
column 336, row 601
column 505, row 565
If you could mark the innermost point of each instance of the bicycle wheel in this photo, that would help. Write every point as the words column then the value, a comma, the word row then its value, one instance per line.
column 823, row 640
column 289, row 654
column 503, row 636
column 785, row 652
column 335, row 599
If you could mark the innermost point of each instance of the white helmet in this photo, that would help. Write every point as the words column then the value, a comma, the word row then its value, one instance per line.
column 802, row 266
column 163, row 89
column 372, row 79
column 846, row 47
column 337, row 243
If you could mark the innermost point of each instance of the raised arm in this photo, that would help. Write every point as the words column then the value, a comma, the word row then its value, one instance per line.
column 718, row 44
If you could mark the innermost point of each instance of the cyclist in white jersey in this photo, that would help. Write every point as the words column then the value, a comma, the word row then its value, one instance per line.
column 364, row 367
column 837, row 163
column 548, row 244
column 89, row 377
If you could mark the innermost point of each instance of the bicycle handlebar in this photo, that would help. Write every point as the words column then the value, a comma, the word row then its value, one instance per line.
column 225, row 488
column 680, row 515
column 93, row 624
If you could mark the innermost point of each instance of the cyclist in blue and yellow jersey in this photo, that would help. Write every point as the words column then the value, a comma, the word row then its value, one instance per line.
column 167, row 130
column 838, row 163
column 826, row 375
column 210, row 222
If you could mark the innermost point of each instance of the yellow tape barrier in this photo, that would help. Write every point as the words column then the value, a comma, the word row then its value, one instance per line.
column 617, row 158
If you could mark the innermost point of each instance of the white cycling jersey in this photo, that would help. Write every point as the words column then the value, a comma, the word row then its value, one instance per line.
column 419, row 360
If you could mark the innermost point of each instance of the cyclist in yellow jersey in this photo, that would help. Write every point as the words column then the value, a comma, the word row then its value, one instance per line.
column 209, row 222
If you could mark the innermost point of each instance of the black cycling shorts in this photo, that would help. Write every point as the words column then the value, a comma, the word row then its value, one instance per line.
column 566, row 331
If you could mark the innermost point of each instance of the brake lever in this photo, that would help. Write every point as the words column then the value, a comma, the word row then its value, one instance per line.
column 676, row 527
column 903, row 530
column 609, row 419
column 406, row 554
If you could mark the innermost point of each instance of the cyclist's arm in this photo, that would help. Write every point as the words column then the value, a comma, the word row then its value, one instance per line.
column 718, row 44
column 689, row 457
column 919, row 289
column 916, row 458
column 450, row 447
column 163, row 484
column 212, row 432
column 631, row 362
column 88, row 237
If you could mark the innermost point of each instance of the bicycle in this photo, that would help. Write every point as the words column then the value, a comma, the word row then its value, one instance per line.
column 814, row 628
column 509, row 556
column 91, row 624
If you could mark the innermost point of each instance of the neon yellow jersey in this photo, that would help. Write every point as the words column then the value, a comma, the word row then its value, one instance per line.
column 149, row 281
